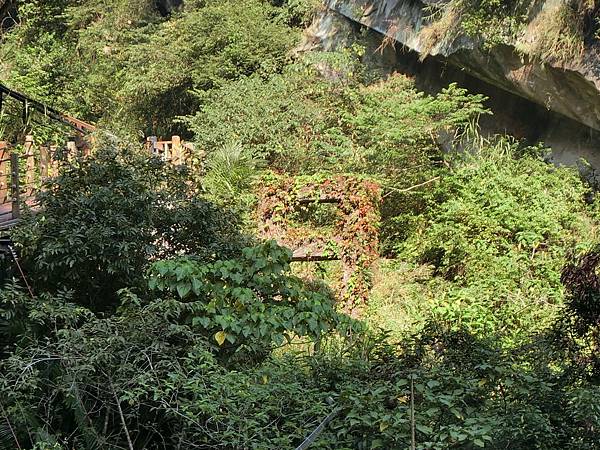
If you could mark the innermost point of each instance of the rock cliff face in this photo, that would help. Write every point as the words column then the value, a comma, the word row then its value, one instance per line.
column 165, row 7
column 557, row 103
column 8, row 14
column 571, row 88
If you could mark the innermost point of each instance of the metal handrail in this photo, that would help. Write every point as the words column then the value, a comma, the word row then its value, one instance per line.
column 78, row 125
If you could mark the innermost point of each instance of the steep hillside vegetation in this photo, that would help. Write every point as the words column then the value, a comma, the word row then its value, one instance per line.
column 156, row 316
column 544, row 51
column 133, row 68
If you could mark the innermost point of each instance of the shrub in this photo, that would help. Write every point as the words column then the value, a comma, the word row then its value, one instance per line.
column 230, row 173
column 397, row 133
column 579, row 325
column 289, row 119
column 247, row 304
column 105, row 218
column 499, row 235
column 299, row 122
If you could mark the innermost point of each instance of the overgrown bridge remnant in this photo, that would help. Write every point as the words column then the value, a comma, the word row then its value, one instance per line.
column 348, row 232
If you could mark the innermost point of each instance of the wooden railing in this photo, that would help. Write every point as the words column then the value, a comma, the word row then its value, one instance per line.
column 175, row 151
column 22, row 173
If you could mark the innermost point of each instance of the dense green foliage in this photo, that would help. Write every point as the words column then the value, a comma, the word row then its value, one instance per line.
column 248, row 303
column 152, row 367
column 578, row 329
column 496, row 238
column 299, row 122
column 156, row 323
column 105, row 218
column 134, row 69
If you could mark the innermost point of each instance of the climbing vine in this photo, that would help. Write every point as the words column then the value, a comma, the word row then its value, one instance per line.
column 353, row 237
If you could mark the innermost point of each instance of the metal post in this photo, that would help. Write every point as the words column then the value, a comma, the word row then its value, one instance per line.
column 44, row 159
column 15, row 186
column 25, row 112
column 30, row 173
column 4, row 164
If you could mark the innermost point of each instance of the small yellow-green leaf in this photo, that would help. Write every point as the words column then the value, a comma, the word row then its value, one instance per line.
column 220, row 337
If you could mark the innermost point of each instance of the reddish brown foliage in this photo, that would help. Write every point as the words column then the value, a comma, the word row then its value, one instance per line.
column 354, row 235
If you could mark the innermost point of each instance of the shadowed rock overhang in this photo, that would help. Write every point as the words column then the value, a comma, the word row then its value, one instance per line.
column 569, row 87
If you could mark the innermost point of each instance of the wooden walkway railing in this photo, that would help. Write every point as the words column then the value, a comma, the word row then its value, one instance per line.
column 22, row 172
column 174, row 151
column 23, row 169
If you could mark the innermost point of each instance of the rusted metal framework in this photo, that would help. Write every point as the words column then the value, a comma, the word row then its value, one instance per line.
column 30, row 104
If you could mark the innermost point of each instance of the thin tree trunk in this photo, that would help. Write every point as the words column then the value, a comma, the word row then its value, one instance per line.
column 118, row 402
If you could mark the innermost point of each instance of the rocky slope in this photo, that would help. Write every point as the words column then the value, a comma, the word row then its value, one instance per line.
column 570, row 87
column 537, row 89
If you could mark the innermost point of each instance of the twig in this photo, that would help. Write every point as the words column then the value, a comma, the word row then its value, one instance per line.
column 412, row 188
column 413, row 439
column 33, row 363
column 118, row 402
column 16, row 259
column 106, row 418
column 10, row 427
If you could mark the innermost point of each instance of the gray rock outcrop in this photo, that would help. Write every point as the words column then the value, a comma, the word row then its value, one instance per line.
column 571, row 89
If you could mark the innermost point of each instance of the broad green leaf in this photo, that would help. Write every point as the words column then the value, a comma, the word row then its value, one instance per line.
column 183, row 289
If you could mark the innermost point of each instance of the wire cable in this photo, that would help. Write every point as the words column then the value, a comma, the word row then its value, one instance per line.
column 16, row 260
column 315, row 434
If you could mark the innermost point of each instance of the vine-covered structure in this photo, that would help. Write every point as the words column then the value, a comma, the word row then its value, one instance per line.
column 353, row 238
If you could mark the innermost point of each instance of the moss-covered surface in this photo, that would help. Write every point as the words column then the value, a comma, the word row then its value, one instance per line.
column 554, row 31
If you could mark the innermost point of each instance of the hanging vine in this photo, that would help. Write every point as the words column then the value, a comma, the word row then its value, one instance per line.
column 353, row 238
